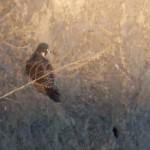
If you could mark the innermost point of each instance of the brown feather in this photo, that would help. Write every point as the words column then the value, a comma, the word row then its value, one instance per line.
column 37, row 67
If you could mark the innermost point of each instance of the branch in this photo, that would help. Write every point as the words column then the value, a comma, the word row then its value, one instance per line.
column 73, row 64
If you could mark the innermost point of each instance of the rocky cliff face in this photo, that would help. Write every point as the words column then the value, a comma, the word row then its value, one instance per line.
column 101, row 56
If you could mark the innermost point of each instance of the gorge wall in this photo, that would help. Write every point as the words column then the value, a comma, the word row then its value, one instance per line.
column 101, row 52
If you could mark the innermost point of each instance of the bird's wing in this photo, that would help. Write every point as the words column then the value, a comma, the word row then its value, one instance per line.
column 41, row 72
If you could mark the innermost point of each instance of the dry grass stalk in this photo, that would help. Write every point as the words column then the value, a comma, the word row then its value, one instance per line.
column 74, row 65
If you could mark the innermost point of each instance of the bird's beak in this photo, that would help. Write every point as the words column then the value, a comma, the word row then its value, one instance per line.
column 48, row 51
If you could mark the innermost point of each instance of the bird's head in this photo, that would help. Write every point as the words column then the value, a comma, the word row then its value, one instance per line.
column 42, row 49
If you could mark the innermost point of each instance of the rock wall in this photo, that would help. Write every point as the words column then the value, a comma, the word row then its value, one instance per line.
column 100, row 50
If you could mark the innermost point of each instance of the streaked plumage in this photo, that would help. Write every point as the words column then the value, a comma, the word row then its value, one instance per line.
column 38, row 68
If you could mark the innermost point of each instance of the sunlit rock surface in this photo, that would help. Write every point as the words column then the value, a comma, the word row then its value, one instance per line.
column 100, row 50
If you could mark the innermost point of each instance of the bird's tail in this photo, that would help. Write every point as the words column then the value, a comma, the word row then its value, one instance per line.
column 53, row 94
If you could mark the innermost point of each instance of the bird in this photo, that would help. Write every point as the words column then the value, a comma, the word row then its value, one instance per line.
column 40, row 71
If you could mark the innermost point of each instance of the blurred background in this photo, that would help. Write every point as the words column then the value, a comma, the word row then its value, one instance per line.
column 105, row 92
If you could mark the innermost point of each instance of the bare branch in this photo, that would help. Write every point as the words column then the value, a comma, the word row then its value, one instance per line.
column 83, row 61
column 12, row 46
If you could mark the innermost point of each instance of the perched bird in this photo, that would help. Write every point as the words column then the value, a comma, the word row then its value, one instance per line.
column 38, row 68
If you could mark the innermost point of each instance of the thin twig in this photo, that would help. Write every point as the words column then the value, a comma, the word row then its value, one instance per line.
column 17, row 47
column 88, row 60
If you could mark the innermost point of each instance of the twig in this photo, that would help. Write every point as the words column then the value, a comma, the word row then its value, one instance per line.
column 88, row 60
column 6, row 15
column 17, row 47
